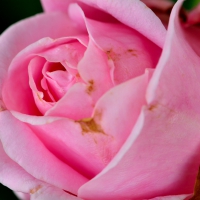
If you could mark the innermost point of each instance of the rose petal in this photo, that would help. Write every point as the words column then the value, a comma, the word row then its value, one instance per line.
column 35, row 76
column 24, row 147
column 95, row 71
column 14, row 176
column 11, row 42
column 22, row 196
column 126, row 49
column 16, row 99
column 52, row 193
column 75, row 104
column 161, row 155
column 162, row 5
column 128, row 12
column 175, row 197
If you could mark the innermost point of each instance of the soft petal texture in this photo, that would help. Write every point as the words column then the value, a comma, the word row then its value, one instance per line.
column 73, row 105
column 16, row 99
column 128, row 52
column 22, row 196
column 11, row 41
column 23, row 146
column 95, row 71
column 14, row 176
column 89, row 144
column 128, row 12
column 160, row 157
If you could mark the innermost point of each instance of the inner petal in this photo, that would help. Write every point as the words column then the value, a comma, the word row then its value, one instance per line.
column 57, row 82
column 42, row 99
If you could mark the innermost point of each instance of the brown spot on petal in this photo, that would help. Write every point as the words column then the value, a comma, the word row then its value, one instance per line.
column 132, row 52
column 2, row 106
column 112, row 55
column 89, row 125
column 34, row 190
column 152, row 107
column 196, row 195
column 90, row 87
column 39, row 97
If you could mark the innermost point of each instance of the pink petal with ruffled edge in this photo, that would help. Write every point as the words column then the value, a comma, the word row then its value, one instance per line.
column 128, row 12
column 76, row 104
column 11, row 42
column 88, row 145
column 161, row 155
column 128, row 52
column 24, row 147
column 11, row 37
column 17, row 99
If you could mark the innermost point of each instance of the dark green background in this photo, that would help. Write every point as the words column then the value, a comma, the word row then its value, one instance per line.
column 12, row 11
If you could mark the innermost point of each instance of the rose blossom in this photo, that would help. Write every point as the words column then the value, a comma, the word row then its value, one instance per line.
column 99, row 101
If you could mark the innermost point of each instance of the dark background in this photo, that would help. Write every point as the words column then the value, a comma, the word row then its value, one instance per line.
column 12, row 11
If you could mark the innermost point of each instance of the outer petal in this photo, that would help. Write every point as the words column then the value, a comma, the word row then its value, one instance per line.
column 175, row 197
column 161, row 156
column 23, row 146
column 128, row 12
column 52, row 193
column 14, row 176
column 11, row 41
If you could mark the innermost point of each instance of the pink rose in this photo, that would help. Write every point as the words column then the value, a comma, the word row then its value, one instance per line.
column 85, row 114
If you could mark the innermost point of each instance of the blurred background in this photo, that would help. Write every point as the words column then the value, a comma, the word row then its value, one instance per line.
column 12, row 11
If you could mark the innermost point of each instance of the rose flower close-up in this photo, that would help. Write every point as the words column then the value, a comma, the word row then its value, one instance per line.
column 100, row 100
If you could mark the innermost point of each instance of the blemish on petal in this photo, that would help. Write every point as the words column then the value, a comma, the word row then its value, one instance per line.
column 132, row 52
column 34, row 190
column 89, row 125
column 90, row 87
column 152, row 107
column 2, row 106
column 39, row 97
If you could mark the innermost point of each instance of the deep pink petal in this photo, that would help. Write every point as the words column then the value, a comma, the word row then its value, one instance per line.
column 161, row 156
column 193, row 17
column 174, row 197
column 162, row 5
column 52, row 193
column 24, row 147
